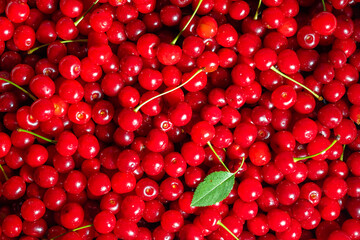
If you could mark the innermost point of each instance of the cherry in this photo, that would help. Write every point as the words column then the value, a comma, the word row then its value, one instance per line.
column 123, row 182
column 350, row 227
column 324, row 23
column 168, row 54
column 32, row 209
column 258, row 225
column 190, row 231
column 284, row 97
column 172, row 221
column 72, row 215
column 54, row 198
column 272, row 17
column 307, row 37
column 75, row 182
column 174, row 164
column 132, row 207
column 329, row 208
column 278, row 220
column 99, row 184
column 12, row 226
column 202, row 132
column 17, row 12
column 259, row 154
column 334, row 187
column 249, row 190
column 104, row 222
column 7, row 28
column 46, row 176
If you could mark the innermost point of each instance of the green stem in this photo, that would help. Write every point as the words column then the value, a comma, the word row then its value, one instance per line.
column 342, row 154
column 36, row 135
column 83, row 227
column 218, row 157
column 3, row 171
column 45, row 45
column 317, row 154
column 87, row 11
column 257, row 11
column 171, row 90
column 320, row 98
column 173, row 42
column 20, row 88
column 242, row 163
column 228, row 230
column 74, row 230
column 324, row 6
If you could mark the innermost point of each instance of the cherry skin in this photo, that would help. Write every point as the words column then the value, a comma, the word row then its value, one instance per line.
column 172, row 221
column 278, row 220
column 324, row 23
column 99, row 184
column 72, row 215
column 32, row 209
column 202, row 132
column 12, row 226
column 207, row 27
column 249, row 190
column 132, row 207
column 54, row 198
column 284, row 97
column 168, row 54
column 104, row 222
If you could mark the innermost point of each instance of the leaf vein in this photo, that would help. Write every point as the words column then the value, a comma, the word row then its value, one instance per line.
column 207, row 192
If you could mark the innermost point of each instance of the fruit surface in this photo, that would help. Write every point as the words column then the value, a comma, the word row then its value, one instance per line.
column 179, row 119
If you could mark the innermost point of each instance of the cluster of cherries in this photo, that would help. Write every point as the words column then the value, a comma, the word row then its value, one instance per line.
column 114, row 111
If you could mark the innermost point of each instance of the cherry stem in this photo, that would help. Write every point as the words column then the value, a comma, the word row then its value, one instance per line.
column 87, row 11
column 36, row 135
column 342, row 154
column 324, row 6
column 320, row 98
column 74, row 230
column 319, row 153
column 3, row 171
column 173, row 42
column 228, row 230
column 20, row 88
column 257, row 11
column 171, row 90
column 218, row 157
column 45, row 45
column 242, row 163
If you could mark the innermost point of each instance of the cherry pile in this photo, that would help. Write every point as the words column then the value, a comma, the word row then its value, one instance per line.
column 119, row 118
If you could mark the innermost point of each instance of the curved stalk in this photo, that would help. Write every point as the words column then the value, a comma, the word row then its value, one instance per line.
column 342, row 154
column 3, row 171
column 218, row 157
column 74, row 230
column 324, row 6
column 320, row 98
column 171, row 90
column 173, row 42
column 20, row 88
column 45, row 45
column 228, row 230
column 36, row 135
column 242, row 163
column 87, row 11
column 257, row 11
column 319, row 153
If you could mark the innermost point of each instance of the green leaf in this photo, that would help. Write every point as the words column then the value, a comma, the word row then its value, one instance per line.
column 215, row 188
